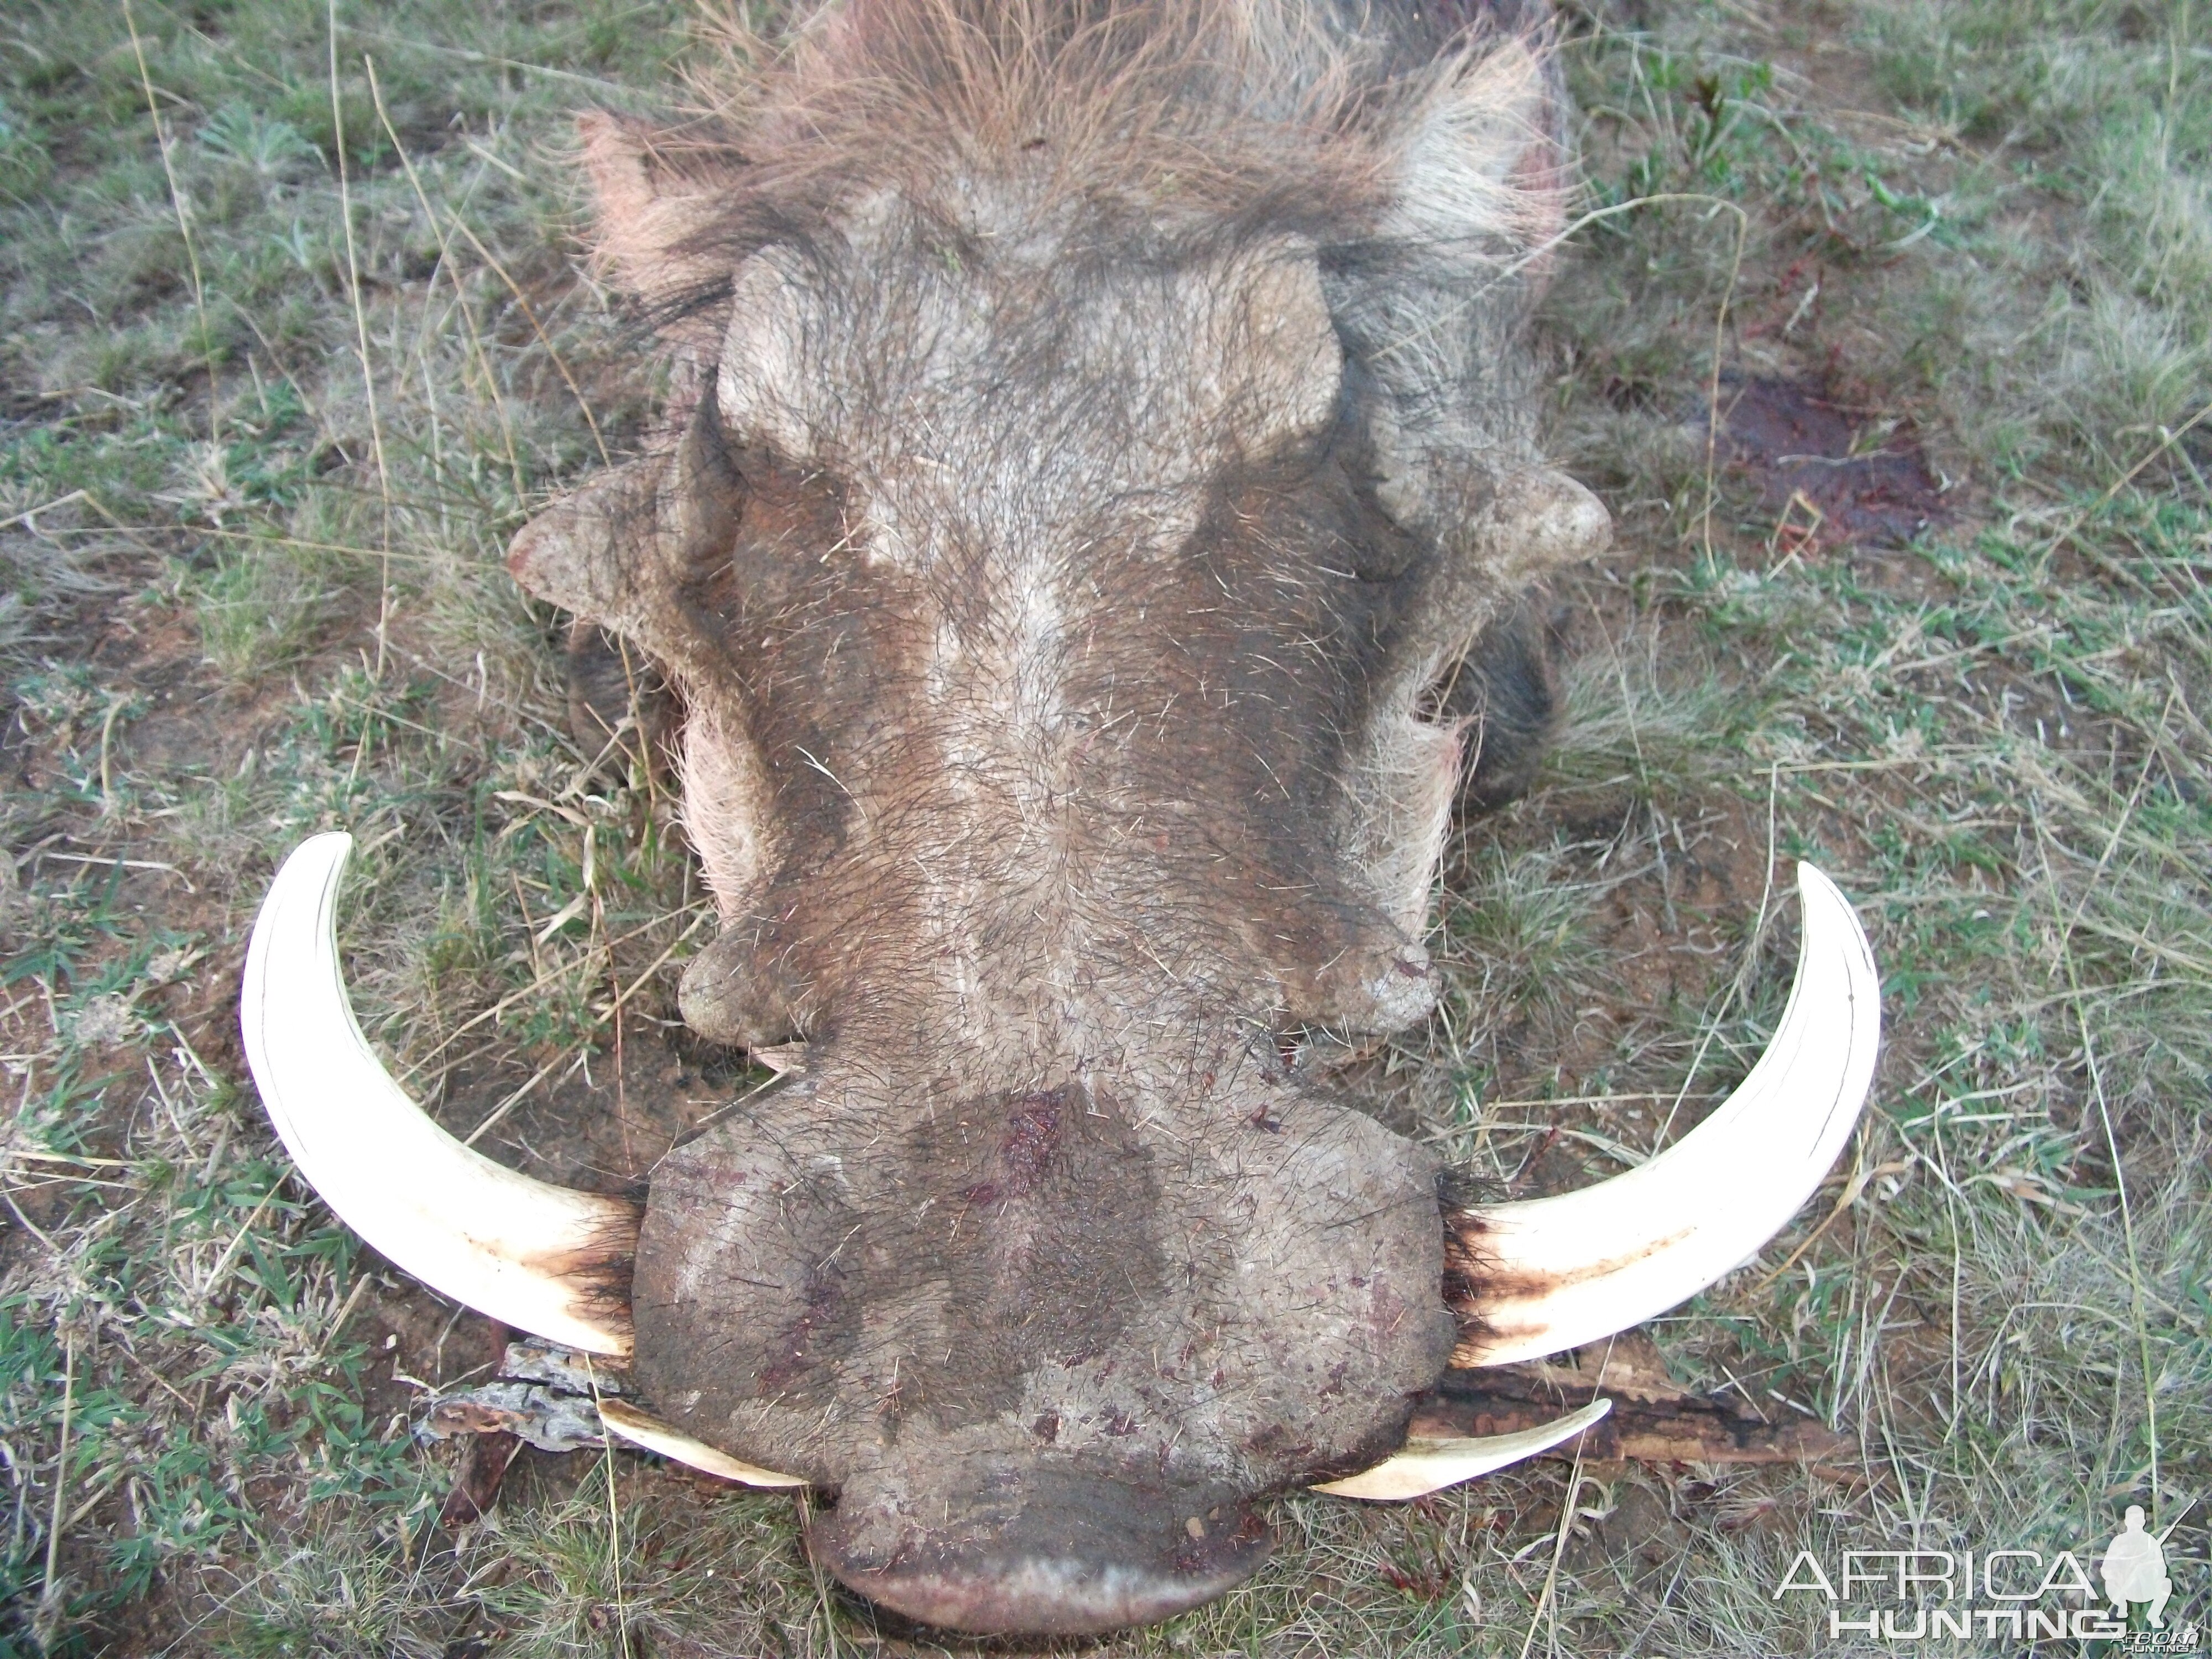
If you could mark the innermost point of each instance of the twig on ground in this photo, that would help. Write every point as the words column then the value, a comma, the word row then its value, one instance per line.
column 184, row 224
column 49, row 1606
column 127, row 864
column 361, row 336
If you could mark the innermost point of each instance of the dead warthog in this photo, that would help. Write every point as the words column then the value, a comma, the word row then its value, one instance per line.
column 1105, row 439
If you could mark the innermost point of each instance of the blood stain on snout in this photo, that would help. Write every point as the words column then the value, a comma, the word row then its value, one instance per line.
column 1032, row 1133
column 1032, row 1130
column 1036, row 1214
column 790, row 1356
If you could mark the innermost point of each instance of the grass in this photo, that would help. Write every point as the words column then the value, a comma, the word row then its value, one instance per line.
column 268, row 421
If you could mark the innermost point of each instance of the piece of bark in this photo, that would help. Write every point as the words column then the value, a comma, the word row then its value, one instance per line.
column 545, row 1396
column 483, row 1466
column 1653, row 1419
column 548, row 1418
column 531, row 1360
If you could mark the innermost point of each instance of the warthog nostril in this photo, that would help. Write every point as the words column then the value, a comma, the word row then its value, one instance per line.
column 1038, row 1552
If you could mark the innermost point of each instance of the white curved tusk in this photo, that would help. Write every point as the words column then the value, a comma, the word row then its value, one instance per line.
column 541, row 1258
column 650, row 1432
column 1555, row 1272
column 1427, row 1466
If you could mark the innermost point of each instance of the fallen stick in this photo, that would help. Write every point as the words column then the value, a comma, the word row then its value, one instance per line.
column 1653, row 1421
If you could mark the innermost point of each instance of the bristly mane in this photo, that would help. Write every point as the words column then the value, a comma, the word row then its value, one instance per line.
column 1161, row 119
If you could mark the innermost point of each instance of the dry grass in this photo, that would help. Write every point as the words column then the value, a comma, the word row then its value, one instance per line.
column 241, row 598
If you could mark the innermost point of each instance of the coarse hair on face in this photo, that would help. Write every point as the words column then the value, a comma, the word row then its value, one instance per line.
column 1385, row 131
column 1114, row 257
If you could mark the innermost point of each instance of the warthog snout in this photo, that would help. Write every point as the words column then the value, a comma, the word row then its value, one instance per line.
column 1042, row 1342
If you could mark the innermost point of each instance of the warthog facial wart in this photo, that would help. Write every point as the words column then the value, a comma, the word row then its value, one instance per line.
column 1088, row 558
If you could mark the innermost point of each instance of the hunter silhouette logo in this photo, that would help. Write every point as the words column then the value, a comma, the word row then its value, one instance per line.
column 2134, row 1569
column 2013, row 1594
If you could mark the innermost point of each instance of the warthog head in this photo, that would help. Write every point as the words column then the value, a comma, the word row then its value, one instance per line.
column 1102, row 431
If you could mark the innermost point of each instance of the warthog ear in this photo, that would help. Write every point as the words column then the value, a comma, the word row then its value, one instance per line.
column 616, row 549
column 618, row 552
column 1480, row 156
column 1431, row 303
column 651, row 207
column 582, row 551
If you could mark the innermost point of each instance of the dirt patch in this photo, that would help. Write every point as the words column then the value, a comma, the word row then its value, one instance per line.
column 1833, row 475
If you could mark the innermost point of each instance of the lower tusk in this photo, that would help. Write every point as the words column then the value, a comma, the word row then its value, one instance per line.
column 1550, row 1273
column 650, row 1432
column 541, row 1258
column 1427, row 1466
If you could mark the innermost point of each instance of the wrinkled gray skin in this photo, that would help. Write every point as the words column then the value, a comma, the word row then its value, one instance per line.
column 1098, row 448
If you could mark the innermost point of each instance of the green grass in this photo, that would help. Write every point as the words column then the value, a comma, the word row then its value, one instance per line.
column 242, row 599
